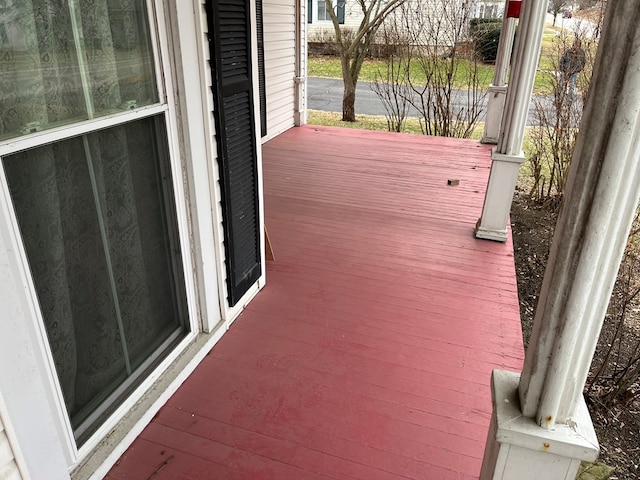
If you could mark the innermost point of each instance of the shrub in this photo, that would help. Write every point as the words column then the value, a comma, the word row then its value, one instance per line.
column 485, row 33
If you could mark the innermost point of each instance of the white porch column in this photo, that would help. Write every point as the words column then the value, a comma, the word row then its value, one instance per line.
column 498, row 87
column 508, row 156
column 600, row 202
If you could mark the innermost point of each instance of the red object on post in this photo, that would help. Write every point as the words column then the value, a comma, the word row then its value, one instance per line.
column 513, row 9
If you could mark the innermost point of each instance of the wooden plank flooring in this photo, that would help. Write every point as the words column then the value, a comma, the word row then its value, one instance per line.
column 368, row 355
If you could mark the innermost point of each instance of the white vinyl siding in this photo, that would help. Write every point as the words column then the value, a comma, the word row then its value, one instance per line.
column 279, row 53
column 207, row 97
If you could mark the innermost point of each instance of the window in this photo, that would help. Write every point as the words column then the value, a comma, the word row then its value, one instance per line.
column 323, row 15
column 489, row 10
column 318, row 10
column 66, row 62
column 93, row 200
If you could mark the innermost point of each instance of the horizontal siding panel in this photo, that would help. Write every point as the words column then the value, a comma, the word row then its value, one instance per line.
column 278, row 9
column 285, row 71
column 275, row 54
column 283, row 82
column 279, row 54
column 280, row 125
column 278, row 45
column 281, row 118
column 282, row 22
column 282, row 115
column 278, row 69
column 280, row 109
column 278, row 104
column 272, row 36
column 280, row 82
column 284, row 19
column 277, row 62
column 281, row 100
column 280, row 57
column 280, row 74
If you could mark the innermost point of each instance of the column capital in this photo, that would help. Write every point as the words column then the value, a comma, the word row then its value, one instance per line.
column 493, row 89
column 505, row 157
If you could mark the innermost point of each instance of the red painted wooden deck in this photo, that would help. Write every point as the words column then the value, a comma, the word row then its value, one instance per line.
column 368, row 355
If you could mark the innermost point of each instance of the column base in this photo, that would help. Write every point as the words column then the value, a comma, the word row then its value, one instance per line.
column 490, row 234
column 518, row 448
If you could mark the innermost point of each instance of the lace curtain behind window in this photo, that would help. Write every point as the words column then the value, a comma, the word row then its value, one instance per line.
column 65, row 61
column 92, row 209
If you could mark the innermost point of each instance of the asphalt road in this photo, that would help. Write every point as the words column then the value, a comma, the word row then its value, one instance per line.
column 326, row 94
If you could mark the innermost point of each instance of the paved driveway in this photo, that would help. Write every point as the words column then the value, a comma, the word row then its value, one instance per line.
column 326, row 94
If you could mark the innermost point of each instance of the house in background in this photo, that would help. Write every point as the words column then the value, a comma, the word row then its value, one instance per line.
column 132, row 217
column 434, row 23
column 320, row 26
column 487, row 9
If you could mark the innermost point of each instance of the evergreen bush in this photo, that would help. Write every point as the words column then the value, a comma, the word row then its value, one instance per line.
column 485, row 33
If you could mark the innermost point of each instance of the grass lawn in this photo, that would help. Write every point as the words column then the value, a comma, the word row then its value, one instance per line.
column 329, row 67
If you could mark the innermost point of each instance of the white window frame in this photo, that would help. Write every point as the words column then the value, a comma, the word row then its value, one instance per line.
column 30, row 347
column 314, row 13
column 317, row 11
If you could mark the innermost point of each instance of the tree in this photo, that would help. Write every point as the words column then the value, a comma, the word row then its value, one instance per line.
column 584, row 4
column 557, row 6
column 353, row 46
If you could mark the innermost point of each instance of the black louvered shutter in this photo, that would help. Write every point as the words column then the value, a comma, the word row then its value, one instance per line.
column 261, row 76
column 230, row 52
column 340, row 12
column 309, row 11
